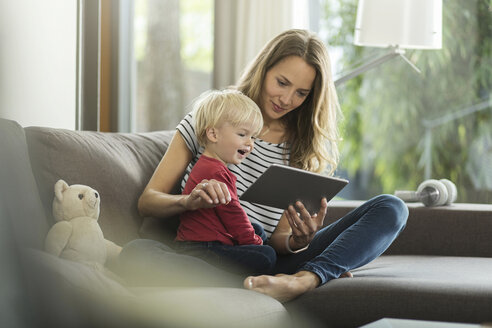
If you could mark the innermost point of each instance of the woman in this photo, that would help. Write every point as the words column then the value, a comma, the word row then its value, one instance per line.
column 291, row 82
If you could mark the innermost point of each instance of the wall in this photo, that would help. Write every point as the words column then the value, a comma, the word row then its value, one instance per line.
column 38, row 62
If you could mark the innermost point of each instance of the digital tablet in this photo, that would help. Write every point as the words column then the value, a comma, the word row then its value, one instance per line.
column 280, row 186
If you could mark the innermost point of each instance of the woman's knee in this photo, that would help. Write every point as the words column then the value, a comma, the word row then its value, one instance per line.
column 398, row 210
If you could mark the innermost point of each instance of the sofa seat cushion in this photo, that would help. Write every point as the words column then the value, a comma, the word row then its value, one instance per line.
column 209, row 307
column 404, row 286
column 79, row 294
column 85, row 277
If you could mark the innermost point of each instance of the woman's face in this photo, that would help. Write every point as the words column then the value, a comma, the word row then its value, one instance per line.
column 286, row 86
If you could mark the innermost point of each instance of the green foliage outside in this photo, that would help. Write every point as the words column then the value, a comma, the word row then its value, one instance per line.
column 385, row 108
column 196, row 34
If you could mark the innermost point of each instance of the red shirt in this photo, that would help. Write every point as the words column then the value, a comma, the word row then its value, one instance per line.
column 227, row 224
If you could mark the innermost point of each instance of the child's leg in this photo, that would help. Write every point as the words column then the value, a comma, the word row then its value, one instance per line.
column 260, row 231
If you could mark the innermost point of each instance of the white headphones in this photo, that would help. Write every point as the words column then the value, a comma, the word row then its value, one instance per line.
column 431, row 193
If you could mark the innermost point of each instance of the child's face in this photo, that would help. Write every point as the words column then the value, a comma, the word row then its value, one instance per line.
column 231, row 144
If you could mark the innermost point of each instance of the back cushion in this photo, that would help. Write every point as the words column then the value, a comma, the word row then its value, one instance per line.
column 117, row 165
column 21, row 211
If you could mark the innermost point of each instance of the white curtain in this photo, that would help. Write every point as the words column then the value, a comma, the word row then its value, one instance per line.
column 242, row 28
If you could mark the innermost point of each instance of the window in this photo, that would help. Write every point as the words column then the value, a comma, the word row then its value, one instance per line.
column 401, row 127
column 174, row 53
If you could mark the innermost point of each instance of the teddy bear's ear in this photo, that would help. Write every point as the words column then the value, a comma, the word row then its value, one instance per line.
column 60, row 187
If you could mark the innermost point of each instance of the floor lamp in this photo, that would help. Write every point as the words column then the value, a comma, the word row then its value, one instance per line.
column 396, row 25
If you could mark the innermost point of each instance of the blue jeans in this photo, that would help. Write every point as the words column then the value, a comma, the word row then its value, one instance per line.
column 351, row 242
column 240, row 259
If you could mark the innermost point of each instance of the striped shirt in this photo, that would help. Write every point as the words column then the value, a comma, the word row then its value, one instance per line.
column 263, row 155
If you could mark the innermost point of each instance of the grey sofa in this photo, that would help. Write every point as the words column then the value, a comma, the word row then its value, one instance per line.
column 440, row 268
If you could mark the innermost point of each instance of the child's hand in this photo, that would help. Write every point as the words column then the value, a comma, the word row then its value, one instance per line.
column 206, row 194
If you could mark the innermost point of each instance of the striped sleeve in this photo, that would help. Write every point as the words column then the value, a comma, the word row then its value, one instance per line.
column 187, row 129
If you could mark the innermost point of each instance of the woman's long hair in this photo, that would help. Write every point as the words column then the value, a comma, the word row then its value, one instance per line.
column 312, row 128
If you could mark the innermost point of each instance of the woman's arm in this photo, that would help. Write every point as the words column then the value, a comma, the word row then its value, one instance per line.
column 157, row 200
column 279, row 237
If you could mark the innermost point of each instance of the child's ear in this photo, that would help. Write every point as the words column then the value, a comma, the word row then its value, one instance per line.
column 212, row 134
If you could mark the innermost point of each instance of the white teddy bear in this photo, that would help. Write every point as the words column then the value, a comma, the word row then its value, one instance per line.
column 77, row 235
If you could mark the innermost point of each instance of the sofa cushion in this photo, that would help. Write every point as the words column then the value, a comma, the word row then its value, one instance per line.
column 76, row 283
column 210, row 307
column 21, row 206
column 117, row 165
column 440, row 288
column 62, row 293
column 84, row 277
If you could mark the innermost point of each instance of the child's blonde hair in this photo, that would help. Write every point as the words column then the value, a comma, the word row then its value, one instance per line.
column 216, row 107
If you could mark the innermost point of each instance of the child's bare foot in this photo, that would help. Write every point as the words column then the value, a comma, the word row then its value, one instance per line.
column 283, row 287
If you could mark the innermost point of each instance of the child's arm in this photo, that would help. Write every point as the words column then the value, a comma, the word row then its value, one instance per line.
column 233, row 216
column 237, row 223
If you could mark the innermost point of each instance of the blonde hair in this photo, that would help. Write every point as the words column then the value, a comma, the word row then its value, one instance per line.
column 313, row 127
column 216, row 107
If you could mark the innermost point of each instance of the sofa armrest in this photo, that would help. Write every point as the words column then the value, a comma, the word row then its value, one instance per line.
column 455, row 230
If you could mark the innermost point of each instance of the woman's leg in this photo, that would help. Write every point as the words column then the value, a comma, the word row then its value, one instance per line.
column 238, row 259
column 145, row 262
column 359, row 237
column 354, row 240
column 351, row 242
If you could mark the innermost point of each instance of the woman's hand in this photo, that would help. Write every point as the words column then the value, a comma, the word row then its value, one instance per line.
column 206, row 194
column 304, row 225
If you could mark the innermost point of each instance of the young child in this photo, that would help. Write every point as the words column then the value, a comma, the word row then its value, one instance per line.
column 226, row 124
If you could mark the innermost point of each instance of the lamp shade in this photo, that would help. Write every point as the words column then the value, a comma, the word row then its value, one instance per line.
column 413, row 24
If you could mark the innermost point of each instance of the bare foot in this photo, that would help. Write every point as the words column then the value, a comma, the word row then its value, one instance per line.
column 347, row 274
column 283, row 287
